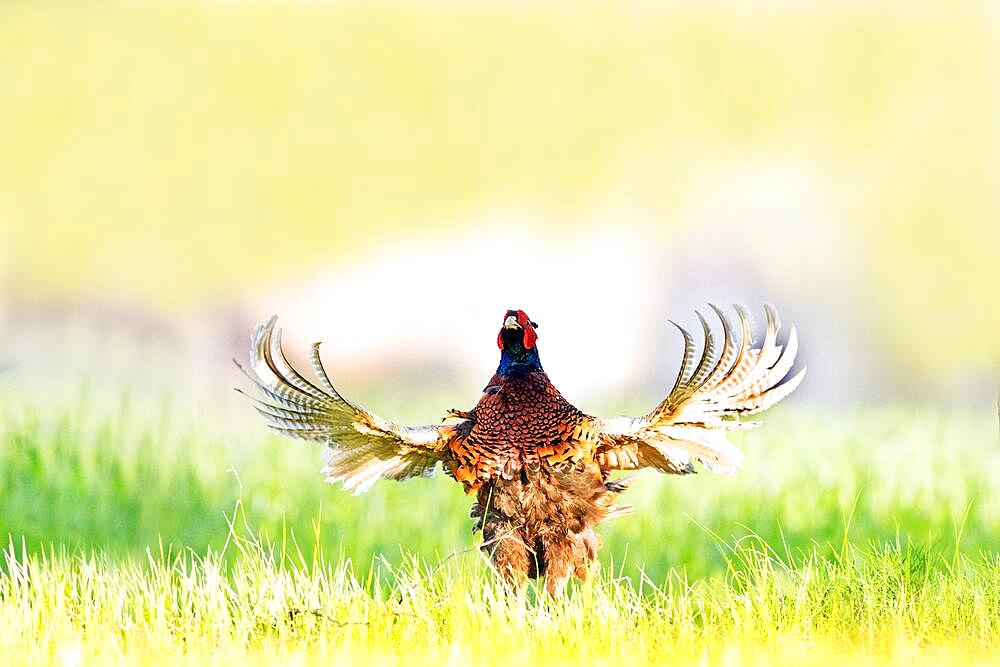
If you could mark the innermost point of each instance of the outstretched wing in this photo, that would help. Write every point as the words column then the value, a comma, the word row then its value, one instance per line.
column 707, row 399
column 361, row 446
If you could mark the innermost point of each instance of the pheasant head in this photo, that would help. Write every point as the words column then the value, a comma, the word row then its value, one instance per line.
column 518, row 343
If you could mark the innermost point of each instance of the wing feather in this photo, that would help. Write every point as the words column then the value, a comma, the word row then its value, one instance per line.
column 728, row 350
column 708, row 353
column 692, row 423
column 687, row 359
column 362, row 447
column 745, row 358
column 320, row 372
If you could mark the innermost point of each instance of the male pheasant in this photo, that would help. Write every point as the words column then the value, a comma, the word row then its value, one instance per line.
column 539, row 466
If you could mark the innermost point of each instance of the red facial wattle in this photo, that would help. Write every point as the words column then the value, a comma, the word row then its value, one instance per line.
column 527, row 327
column 529, row 330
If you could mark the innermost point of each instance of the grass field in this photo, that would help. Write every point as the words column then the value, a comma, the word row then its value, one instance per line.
column 170, row 171
column 850, row 535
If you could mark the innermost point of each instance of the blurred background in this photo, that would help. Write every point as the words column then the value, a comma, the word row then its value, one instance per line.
column 391, row 178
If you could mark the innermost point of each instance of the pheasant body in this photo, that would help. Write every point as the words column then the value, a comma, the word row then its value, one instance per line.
column 539, row 467
column 529, row 456
column 520, row 422
column 542, row 523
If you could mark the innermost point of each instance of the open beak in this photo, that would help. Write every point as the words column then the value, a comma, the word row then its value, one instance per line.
column 511, row 322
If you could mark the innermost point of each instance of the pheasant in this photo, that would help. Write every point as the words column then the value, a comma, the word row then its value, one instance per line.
column 539, row 467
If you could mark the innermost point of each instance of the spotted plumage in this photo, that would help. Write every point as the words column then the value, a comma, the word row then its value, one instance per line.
column 521, row 421
column 539, row 467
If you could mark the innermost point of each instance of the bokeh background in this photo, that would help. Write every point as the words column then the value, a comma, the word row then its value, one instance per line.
column 391, row 178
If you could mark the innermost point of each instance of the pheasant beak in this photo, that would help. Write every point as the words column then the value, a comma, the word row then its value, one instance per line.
column 511, row 322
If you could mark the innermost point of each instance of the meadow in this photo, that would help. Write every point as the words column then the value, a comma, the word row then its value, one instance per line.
column 857, row 535
column 171, row 171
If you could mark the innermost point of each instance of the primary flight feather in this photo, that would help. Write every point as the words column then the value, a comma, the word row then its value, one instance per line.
column 539, row 466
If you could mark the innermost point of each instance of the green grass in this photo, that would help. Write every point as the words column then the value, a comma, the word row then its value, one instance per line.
column 70, row 478
column 149, row 537
column 889, row 602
